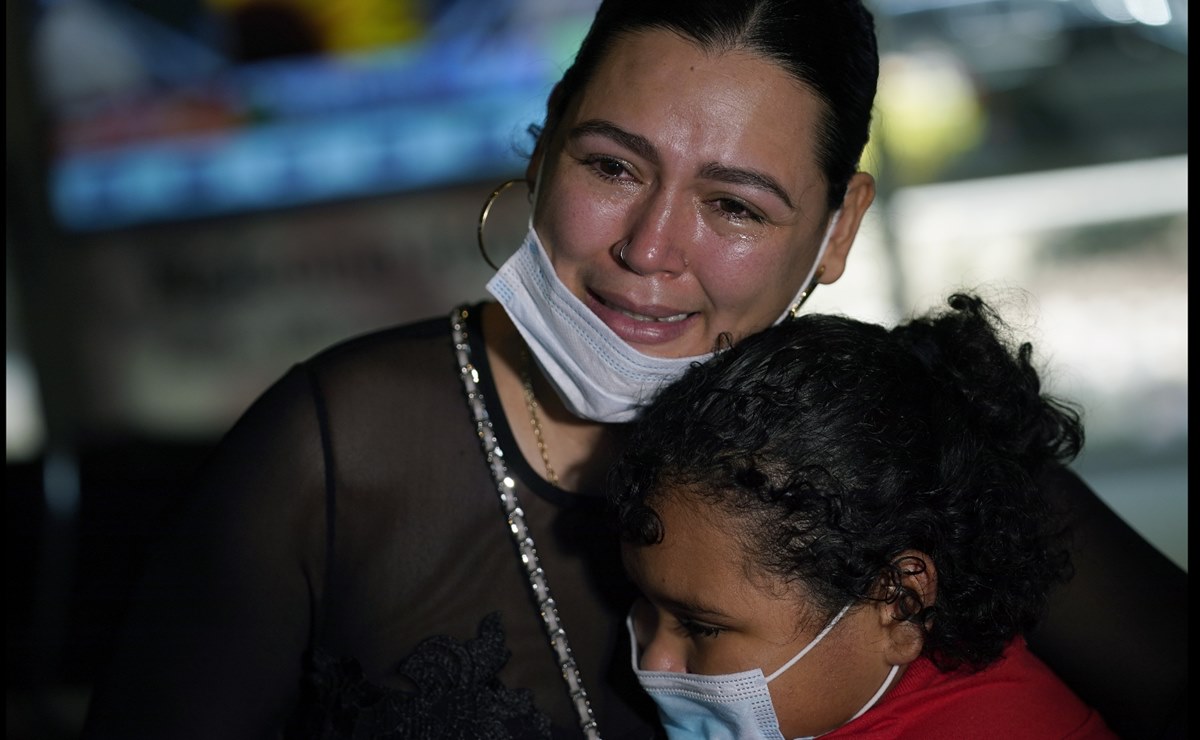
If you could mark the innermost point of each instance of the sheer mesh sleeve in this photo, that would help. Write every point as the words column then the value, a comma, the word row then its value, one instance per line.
column 1117, row 633
column 213, row 644
column 346, row 547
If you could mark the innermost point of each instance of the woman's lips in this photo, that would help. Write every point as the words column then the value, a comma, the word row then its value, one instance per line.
column 638, row 324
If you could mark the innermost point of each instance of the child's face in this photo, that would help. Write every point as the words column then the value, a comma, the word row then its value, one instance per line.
column 712, row 610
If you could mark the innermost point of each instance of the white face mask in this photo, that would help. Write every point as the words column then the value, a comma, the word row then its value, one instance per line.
column 734, row 706
column 597, row 374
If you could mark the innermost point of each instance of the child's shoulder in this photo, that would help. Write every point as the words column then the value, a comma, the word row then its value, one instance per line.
column 1017, row 696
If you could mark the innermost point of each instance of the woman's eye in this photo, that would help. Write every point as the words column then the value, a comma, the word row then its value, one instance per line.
column 607, row 167
column 735, row 210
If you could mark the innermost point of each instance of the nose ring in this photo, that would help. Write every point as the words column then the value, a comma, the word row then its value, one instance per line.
column 621, row 251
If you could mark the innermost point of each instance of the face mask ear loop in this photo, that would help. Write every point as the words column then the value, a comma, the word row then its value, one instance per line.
column 633, row 646
column 794, row 311
column 537, row 188
column 810, row 645
column 483, row 216
column 878, row 694
column 818, row 270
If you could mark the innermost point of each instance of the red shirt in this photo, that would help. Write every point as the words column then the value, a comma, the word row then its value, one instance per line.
column 1015, row 697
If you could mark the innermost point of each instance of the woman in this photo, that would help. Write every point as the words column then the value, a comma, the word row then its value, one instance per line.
column 838, row 531
column 402, row 532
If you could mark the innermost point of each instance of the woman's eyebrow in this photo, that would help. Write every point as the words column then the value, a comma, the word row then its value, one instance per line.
column 639, row 145
column 642, row 147
column 740, row 176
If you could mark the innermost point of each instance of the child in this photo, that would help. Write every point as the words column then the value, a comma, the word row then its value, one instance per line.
column 837, row 529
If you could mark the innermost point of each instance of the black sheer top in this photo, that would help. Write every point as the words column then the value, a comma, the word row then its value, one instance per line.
column 344, row 569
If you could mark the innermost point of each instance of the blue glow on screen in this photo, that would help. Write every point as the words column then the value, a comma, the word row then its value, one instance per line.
column 446, row 107
column 291, row 163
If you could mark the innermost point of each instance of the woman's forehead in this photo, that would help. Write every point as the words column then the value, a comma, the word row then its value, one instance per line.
column 731, row 107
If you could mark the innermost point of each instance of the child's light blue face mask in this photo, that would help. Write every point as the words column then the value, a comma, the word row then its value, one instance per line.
column 734, row 706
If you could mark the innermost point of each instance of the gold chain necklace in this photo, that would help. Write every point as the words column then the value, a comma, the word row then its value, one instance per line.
column 534, row 420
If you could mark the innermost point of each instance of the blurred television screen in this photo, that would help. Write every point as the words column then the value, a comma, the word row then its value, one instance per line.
column 169, row 111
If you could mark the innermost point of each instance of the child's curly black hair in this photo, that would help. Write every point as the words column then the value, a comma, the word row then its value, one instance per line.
column 836, row 445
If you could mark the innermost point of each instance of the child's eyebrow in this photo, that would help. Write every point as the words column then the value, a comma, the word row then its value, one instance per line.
column 692, row 608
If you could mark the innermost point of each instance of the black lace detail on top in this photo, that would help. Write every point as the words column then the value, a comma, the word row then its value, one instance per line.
column 456, row 694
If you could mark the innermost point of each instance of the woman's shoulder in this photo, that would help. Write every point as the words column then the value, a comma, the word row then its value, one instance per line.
column 378, row 377
column 395, row 356
column 390, row 383
column 424, row 334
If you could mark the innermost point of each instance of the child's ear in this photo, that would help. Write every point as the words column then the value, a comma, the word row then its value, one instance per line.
column 905, row 611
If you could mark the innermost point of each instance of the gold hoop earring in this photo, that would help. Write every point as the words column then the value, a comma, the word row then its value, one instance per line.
column 483, row 215
column 795, row 309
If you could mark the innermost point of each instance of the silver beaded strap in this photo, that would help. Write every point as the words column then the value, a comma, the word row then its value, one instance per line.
column 506, row 487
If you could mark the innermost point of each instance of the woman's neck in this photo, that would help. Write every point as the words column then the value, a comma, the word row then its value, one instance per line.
column 579, row 450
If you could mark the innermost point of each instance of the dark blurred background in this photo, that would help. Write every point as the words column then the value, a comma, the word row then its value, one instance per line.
column 202, row 192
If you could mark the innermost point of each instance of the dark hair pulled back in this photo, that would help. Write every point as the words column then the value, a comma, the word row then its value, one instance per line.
column 828, row 46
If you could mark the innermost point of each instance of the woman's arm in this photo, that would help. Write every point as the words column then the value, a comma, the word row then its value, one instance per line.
column 1118, row 632
column 214, row 641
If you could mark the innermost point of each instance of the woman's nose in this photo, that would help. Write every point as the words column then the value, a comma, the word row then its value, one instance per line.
column 657, row 238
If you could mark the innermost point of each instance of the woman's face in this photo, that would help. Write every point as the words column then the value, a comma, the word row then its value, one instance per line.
column 708, row 610
column 679, row 197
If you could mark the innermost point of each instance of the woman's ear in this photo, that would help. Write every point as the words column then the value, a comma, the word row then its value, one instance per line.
column 860, row 193
column 907, row 595
column 553, row 113
column 533, row 167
